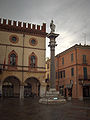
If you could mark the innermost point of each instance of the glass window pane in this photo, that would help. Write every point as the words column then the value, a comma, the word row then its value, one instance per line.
column 13, row 59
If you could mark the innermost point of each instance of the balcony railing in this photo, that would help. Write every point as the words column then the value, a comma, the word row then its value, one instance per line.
column 84, row 62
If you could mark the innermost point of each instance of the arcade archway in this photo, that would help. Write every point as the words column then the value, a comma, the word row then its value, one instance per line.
column 32, row 87
column 11, row 87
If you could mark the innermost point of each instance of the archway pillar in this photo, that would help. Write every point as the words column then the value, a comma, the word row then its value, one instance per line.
column 42, row 90
column 21, row 91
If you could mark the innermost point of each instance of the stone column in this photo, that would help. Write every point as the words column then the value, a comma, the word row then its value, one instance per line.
column 52, row 96
column 21, row 91
column 52, row 45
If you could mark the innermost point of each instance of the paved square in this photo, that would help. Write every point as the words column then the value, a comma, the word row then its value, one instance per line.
column 30, row 109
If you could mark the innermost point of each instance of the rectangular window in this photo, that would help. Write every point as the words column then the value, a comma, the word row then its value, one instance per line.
column 85, row 72
column 63, row 60
column 56, row 75
column 61, row 74
column 72, row 71
column 64, row 73
column 72, row 57
column 84, row 58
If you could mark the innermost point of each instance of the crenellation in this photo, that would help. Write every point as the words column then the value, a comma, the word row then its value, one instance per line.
column 43, row 27
column 29, row 25
column 38, row 27
column 4, row 21
column 33, row 26
column 9, row 22
column 19, row 24
column 0, row 20
column 24, row 25
column 14, row 23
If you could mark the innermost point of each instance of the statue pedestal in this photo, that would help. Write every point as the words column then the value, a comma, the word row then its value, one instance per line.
column 52, row 97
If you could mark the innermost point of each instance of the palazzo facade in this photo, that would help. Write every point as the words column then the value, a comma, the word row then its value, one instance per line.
column 22, row 59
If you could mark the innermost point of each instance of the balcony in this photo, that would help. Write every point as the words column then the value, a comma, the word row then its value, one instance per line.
column 84, row 62
column 82, row 79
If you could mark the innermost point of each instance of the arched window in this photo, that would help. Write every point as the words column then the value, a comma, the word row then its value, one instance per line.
column 13, row 59
column 33, row 61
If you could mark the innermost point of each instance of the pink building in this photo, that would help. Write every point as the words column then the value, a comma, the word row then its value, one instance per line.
column 73, row 72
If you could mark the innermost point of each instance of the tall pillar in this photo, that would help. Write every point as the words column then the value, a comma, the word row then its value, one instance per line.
column 52, row 45
column 52, row 96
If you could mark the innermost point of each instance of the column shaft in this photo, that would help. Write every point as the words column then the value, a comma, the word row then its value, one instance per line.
column 52, row 70
column 21, row 91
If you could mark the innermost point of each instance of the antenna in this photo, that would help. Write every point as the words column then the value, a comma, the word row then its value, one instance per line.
column 84, row 35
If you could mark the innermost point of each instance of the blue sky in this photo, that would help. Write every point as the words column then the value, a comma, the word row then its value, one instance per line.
column 71, row 17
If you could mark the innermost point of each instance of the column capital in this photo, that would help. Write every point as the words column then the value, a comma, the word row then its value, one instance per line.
column 52, row 35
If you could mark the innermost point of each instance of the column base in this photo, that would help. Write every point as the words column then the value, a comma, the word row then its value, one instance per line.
column 52, row 97
column 80, row 98
column 21, row 92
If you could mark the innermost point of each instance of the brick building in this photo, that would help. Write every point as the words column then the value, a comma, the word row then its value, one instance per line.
column 73, row 72
column 22, row 58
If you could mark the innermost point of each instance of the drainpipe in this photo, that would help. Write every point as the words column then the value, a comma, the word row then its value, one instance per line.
column 76, row 72
column 22, row 85
column 23, row 59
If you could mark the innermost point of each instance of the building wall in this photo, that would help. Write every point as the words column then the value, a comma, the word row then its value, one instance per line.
column 69, row 81
column 23, row 49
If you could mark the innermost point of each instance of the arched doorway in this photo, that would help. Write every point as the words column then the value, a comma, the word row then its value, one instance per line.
column 32, row 87
column 11, row 87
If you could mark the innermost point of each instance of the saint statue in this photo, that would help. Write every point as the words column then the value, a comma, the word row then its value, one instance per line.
column 52, row 26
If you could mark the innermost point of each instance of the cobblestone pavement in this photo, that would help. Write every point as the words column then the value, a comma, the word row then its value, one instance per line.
column 30, row 109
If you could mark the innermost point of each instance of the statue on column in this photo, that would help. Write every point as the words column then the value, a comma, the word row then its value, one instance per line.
column 52, row 26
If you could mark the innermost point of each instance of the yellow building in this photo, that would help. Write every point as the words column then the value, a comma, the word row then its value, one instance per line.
column 22, row 59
